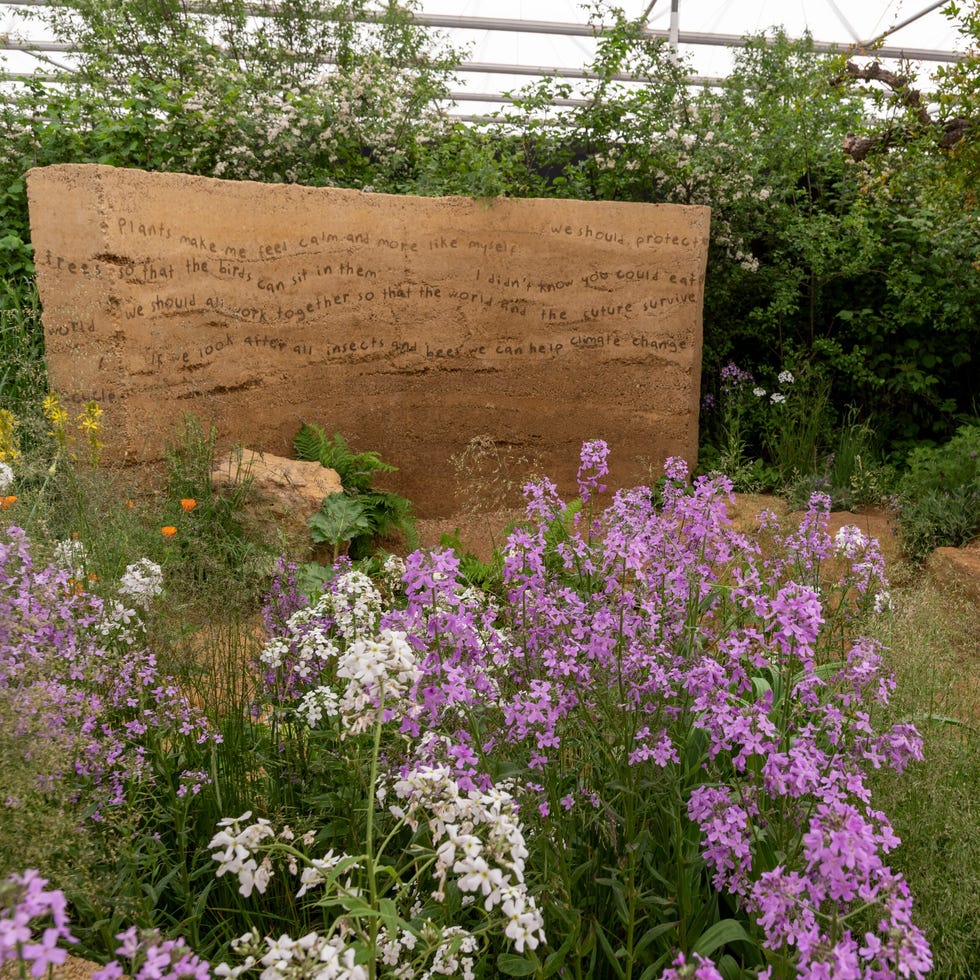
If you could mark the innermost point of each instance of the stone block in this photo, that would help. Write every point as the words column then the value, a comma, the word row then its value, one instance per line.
column 408, row 324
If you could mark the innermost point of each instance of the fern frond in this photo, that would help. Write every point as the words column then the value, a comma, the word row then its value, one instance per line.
column 311, row 444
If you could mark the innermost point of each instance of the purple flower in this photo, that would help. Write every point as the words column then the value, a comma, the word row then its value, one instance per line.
column 102, row 703
column 700, row 968
column 732, row 376
column 593, row 467
column 24, row 901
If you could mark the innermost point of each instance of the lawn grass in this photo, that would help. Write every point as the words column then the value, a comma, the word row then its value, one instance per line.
column 934, row 649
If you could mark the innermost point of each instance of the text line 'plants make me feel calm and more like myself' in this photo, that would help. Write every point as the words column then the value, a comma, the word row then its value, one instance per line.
column 646, row 756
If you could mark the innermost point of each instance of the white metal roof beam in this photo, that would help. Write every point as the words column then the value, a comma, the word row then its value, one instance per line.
column 847, row 26
column 906, row 22
column 686, row 37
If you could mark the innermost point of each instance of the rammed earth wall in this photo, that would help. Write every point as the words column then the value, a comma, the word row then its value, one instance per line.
column 409, row 324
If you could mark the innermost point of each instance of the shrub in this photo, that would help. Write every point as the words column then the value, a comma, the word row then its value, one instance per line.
column 939, row 497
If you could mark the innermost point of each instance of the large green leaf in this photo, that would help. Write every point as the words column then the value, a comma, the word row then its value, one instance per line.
column 511, row 965
column 339, row 519
column 721, row 934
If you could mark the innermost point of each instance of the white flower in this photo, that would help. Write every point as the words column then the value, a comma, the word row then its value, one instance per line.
column 251, row 876
column 850, row 540
column 777, row 398
column 317, row 703
column 71, row 555
column 6, row 477
column 142, row 582
column 759, row 392
column 315, row 874
column 786, row 377
column 882, row 601
column 233, row 851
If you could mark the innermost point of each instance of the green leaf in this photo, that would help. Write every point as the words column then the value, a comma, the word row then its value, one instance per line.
column 651, row 935
column 555, row 960
column 721, row 934
column 611, row 957
column 388, row 911
column 938, row 719
column 512, row 965
column 310, row 443
column 339, row 519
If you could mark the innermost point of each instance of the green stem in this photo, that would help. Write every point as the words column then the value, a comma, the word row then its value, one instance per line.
column 369, row 850
column 683, row 889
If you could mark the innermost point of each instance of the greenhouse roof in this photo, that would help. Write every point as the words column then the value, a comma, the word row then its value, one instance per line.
column 509, row 43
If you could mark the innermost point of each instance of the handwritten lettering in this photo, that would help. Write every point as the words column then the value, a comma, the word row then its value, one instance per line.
column 598, row 340
column 599, row 312
column 397, row 246
column 667, row 239
column 273, row 250
column 71, row 327
column 659, row 302
column 492, row 247
column 602, row 235
column 663, row 343
column 459, row 282
column 173, row 304
column 128, row 226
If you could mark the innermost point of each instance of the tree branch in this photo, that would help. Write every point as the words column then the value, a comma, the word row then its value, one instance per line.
column 950, row 131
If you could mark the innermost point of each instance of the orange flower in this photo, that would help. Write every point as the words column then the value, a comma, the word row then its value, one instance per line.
column 130, row 504
column 188, row 503
column 7, row 502
column 169, row 531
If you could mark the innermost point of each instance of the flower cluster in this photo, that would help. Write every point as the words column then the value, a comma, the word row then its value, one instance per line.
column 234, row 849
column 379, row 673
column 102, row 704
column 9, row 445
column 285, row 958
column 307, row 643
column 470, row 842
column 649, row 628
column 71, row 555
column 617, row 610
column 649, row 674
column 151, row 957
column 850, row 541
column 23, row 901
column 142, row 582
column 478, row 838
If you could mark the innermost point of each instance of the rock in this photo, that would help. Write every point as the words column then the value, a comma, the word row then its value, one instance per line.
column 958, row 568
column 285, row 494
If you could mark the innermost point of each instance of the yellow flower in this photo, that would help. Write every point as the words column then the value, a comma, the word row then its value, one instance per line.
column 188, row 503
column 90, row 422
column 58, row 418
column 9, row 448
column 169, row 531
